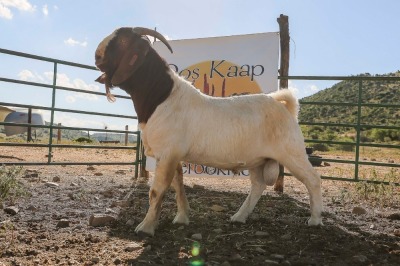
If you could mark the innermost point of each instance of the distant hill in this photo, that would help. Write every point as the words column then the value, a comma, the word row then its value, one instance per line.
column 347, row 91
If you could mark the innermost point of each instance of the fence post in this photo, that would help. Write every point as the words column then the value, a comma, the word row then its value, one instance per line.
column 59, row 134
column 126, row 135
column 283, row 22
column 29, row 133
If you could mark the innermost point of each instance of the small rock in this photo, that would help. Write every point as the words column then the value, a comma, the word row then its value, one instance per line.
column 100, row 219
column 396, row 232
column 147, row 248
column 198, row 187
column 218, row 230
column 95, row 260
column 90, row 168
column 260, row 250
column 197, row 236
column 120, row 203
column 359, row 210
column 117, row 261
column 109, row 193
column 132, row 247
column 277, row 256
column 32, row 208
column 120, row 172
column 13, row 210
column 63, row 223
column 235, row 257
column 56, row 179
column 260, row 233
column 327, row 164
column 130, row 222
column 217, row 208
column 74, row 184
column 98, row 174
column 372, row 226
column 225, row 263
column 394, row 216
column 181, row 227
column 390, row 161
column 271, row 262
column 288, row 236
column 360, row 258
column 51, row 184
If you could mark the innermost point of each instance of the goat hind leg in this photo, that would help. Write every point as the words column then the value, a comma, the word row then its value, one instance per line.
column 256, row 190
column 182, row 216
column 302, row 169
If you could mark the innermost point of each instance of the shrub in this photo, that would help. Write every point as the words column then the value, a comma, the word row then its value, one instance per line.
column 320, row 147
column 83, row 139
column 9, row 185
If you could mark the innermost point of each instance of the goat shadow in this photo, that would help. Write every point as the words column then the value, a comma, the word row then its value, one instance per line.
column 275, row 233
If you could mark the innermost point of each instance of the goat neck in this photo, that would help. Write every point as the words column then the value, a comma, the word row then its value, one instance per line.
column 149, row 86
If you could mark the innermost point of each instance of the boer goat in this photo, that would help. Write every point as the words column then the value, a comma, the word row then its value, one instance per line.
column 252, row 132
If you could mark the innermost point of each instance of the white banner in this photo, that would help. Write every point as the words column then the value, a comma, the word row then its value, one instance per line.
column 222, row 67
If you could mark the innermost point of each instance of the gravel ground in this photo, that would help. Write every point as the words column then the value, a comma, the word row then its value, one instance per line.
column 86, row 215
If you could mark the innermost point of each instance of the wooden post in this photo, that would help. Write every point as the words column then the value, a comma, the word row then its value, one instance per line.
column 29, row 133
column 283, row 22
column 59, row 134
column 126, row 135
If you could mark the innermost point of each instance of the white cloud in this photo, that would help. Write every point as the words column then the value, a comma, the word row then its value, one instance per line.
column 5, row 12
column 22, row 5
column 45, row 10
column 314, row 88
column 72, row 42
column 26, row 75
column 64, row 81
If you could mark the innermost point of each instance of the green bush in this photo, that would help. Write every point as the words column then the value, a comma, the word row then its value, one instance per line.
column 83, row 139
column 320, row 147
column 9, row 185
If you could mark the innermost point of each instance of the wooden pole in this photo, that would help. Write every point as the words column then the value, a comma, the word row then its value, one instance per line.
column 59, row 134
column 29, row 134
column 283, row 22
column 126, row 135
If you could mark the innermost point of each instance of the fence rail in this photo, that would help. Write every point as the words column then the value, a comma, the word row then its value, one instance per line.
column 358, row 126
column 137, row 161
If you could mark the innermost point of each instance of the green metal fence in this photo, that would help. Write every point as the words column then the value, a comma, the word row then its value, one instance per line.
column 53, row 108
column 358, row 126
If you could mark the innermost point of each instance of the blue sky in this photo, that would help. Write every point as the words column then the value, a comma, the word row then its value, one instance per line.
column 338, row 37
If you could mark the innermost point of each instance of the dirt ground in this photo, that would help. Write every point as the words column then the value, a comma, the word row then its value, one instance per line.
column 51, row 226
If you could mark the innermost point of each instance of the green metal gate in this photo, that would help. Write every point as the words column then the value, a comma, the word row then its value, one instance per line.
column 139, row 160
column 136, row 162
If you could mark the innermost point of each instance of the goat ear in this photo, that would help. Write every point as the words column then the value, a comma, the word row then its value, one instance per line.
column 132, row 59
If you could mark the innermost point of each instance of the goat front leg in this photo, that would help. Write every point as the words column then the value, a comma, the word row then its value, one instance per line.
column 182, row 217
column 164, row 174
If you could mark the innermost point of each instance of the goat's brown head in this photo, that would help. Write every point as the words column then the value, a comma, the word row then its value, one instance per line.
column 121, row 53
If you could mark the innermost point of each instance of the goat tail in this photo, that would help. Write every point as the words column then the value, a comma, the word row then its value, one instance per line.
column 288, row 99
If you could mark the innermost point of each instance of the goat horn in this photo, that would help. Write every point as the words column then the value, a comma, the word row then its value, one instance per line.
column 155, row 34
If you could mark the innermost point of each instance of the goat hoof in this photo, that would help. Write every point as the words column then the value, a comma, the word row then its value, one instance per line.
column 237, row 219
column 181, row 219
column 143, row 230
column 315, row 221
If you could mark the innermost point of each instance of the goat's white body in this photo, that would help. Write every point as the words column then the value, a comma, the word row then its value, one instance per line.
column 252, row 132
column 230, row 133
